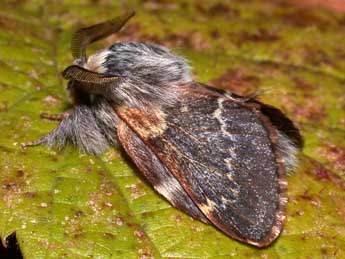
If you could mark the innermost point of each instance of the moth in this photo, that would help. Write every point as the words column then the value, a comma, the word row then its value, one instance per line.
column 220, row 157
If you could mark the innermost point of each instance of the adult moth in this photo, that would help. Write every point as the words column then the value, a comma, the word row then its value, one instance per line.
column 219, row 157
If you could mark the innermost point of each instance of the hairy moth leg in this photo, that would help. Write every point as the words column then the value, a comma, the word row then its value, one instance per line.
column 36, row 142
column 47, row 116
column 92, row 128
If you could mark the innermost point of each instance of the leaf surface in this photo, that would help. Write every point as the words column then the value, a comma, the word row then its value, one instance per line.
column 63, row 204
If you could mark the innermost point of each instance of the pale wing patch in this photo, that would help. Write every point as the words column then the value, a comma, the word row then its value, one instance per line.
column 147, row 124
column 218, row 115
column 208, row 208
column 167, row 187
column 229, row 165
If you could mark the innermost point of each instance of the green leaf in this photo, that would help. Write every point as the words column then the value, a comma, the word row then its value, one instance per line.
column 63, row 204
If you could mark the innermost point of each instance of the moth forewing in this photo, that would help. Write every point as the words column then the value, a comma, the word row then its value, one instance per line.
column 222, row 154
column 156, row 172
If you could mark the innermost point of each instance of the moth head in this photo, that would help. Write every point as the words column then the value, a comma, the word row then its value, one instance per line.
column 146, row 63
column 81, row 71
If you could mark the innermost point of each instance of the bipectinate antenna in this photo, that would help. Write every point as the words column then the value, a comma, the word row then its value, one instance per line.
column 83, row 37
column 92, row 82
column 80, row 40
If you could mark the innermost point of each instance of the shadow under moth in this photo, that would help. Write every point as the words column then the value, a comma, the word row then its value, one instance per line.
column 219, row 157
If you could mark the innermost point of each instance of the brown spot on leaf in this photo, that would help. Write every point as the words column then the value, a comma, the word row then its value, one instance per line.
column 217, row 9
column 48, row 244
column 155, row 5
column 298, row 213
column 137, row 191
column 134, row 32
column 197, row 228
column 43, row 205
column 132, row 224
column 12, row 188
column 178, row 219
column 198, row 42
column 34, row 74
column 51, row 100
column 107, row 204
column 302, row 84
column 334, row 5
column 93, row 202
column 78, row 214
column 7, row 23
column 145, row 253
column 20, row 173
column 140, row 234
column 304, row 17
column 317, row 57
column 314, row 200
column 310, row 109
column 3, row 106
column 306, row 196
column 30, row 194
column 322, row 173
column 237, row 81
column 79, row 235
column 190, row 39
column 108, row 188
column 335, row 155
column 303, row 237
column 119, row 221
column 147, row 214
column 8, row 185
column 109, row 235
column 71, row 243
column 260, row 35
column 215, row 34
column 73, row 227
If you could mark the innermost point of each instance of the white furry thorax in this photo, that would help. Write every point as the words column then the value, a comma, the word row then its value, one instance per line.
column 150, row 63
column 148, row 72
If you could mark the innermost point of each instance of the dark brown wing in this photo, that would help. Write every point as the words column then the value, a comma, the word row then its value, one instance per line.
column 222, row 154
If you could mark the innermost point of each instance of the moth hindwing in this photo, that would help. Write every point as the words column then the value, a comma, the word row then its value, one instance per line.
column 217, row 156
